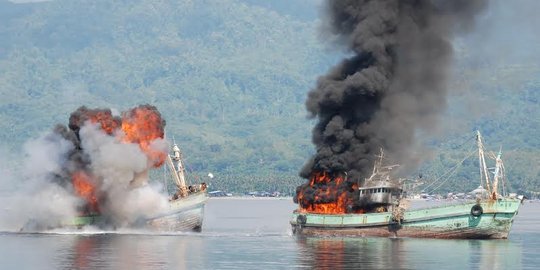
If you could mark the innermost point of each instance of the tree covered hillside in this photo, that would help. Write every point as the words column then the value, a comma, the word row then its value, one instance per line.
column 230, row 78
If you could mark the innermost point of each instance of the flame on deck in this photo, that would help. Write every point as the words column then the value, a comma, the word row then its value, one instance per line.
column 330, row 195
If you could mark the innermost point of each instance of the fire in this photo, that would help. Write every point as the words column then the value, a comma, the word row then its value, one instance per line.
column 85, row 189
column 105, row 120
column 142, row 125
column 103, row 117
column 329, row 196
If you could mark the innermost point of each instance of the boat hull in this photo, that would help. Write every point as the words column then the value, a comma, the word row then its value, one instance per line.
column 448, row 222
column 185, row 214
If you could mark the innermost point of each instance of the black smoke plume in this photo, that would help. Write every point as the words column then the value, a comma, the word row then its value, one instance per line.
column 390, row 89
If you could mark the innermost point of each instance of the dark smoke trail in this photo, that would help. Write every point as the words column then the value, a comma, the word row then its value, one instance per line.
column 392, row 88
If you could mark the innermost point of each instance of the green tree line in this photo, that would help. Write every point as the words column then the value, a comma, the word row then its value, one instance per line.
column 230, row 78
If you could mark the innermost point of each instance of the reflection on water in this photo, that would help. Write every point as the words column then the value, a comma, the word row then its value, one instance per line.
column 118, row 251
column 495, row 254
column 351, row 253
column 257, row 236
column 407, row 253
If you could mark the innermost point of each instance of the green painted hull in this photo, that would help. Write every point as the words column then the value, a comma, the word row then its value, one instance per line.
column 82, row 221
column 185, row 214
column 449, row 221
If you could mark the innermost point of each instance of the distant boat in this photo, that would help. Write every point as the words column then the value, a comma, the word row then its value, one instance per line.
column 184, row 211
column 490, row 216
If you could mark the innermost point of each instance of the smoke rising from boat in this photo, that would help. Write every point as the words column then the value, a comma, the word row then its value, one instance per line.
column 42, row 201
column 99, row 164
column 118, row 165
column 389, row 91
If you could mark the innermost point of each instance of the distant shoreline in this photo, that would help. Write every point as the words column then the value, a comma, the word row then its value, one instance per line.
column 249, row 198
column 290, row 198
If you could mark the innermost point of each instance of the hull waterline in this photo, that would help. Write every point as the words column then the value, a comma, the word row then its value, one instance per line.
column 458, row 221
column 185, row 214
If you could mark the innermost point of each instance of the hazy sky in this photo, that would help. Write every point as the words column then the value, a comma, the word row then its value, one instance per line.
column 508, row 31
column 28, row 1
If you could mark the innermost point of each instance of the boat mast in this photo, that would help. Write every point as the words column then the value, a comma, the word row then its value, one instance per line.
column 498, row 173
column 177, row 169
column 378, row 163
column 482, row 160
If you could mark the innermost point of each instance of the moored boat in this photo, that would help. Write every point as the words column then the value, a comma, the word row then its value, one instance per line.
column 489, row 216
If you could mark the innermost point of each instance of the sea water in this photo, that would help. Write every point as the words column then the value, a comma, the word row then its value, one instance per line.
column 255, row 234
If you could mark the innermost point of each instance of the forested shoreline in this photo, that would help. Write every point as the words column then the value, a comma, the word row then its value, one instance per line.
column 231, row 78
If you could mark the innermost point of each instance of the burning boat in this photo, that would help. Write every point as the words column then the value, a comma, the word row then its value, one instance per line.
column 102, row 174
column 184, row 211
column 380, row 209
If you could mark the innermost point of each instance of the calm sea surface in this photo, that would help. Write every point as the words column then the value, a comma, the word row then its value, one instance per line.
column 255, row 234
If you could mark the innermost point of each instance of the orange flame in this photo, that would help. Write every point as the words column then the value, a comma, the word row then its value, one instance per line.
column 142, row 125
column 85, row 189
column 103, row 117
column 105, row 120
column 328, row 187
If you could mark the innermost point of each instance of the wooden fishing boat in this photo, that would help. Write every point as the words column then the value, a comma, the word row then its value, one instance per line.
column 489, row 216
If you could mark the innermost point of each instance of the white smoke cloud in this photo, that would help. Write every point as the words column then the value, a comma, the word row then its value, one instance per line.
column 45, row 155
column 113, row 161
column 122, row 168
column 127, row 206
column 6, row 173
column 39, row 203
column 46, row 198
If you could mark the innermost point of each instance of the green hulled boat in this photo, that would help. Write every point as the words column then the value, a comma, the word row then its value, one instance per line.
column 473, row 220
column 185, row 210
column 489, row 216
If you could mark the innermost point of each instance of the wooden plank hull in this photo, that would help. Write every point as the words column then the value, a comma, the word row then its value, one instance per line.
column 185, row 214
column 446, row 222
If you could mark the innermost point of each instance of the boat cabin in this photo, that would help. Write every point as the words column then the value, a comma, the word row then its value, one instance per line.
column 380, row 194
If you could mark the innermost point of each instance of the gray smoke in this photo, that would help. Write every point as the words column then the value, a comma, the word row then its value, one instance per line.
column 111, row 159
column 40, row 201
column 391, row 89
